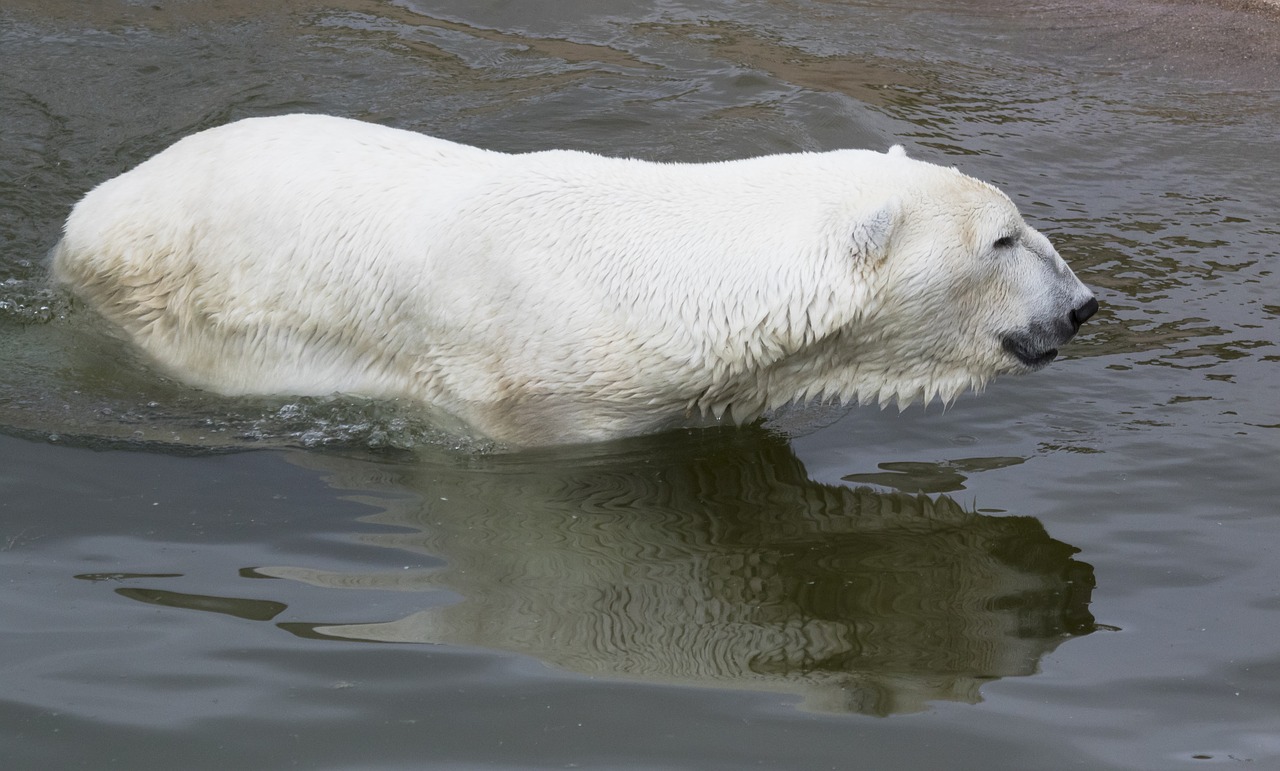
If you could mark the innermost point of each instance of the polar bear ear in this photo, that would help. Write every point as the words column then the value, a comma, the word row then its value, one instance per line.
column 897, row 151
column 873, row 229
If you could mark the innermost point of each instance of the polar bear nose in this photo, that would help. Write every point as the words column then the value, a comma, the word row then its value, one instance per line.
column 1081, row 315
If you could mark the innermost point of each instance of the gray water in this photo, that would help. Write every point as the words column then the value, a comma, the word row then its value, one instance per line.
column 1075, row 569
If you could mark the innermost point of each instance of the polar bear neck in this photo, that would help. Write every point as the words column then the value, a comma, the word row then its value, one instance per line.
column 739, row 275
column 852, row 365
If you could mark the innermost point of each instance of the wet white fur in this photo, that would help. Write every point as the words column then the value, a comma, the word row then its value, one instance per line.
column 556, row 296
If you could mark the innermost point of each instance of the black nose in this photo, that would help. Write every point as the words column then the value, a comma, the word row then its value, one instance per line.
column 1081, row 315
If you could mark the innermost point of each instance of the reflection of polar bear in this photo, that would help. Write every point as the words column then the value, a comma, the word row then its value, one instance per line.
column 711, row 560
column 559, row 296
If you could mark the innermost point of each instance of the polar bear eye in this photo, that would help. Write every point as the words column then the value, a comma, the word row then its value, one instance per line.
column 1005, row 242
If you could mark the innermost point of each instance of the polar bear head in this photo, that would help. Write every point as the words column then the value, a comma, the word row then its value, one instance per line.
column 949, row 288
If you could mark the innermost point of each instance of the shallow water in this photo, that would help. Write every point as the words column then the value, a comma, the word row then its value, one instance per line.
column 1074, row 569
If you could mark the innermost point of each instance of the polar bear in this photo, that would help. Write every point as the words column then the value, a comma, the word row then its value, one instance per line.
column 560, row 296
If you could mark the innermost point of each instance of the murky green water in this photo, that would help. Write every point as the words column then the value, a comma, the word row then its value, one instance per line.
column 1073, row 570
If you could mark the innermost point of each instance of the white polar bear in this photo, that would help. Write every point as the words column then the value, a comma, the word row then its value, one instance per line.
column 560, row 296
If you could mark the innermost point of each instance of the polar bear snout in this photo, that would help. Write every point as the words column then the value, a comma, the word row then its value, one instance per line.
column 1034, row 348
column 1082, row 314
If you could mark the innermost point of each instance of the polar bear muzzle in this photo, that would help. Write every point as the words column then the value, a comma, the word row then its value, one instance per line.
column 1038, row 346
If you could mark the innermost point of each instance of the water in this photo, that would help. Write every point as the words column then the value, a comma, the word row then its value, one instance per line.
column 1074, row 569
